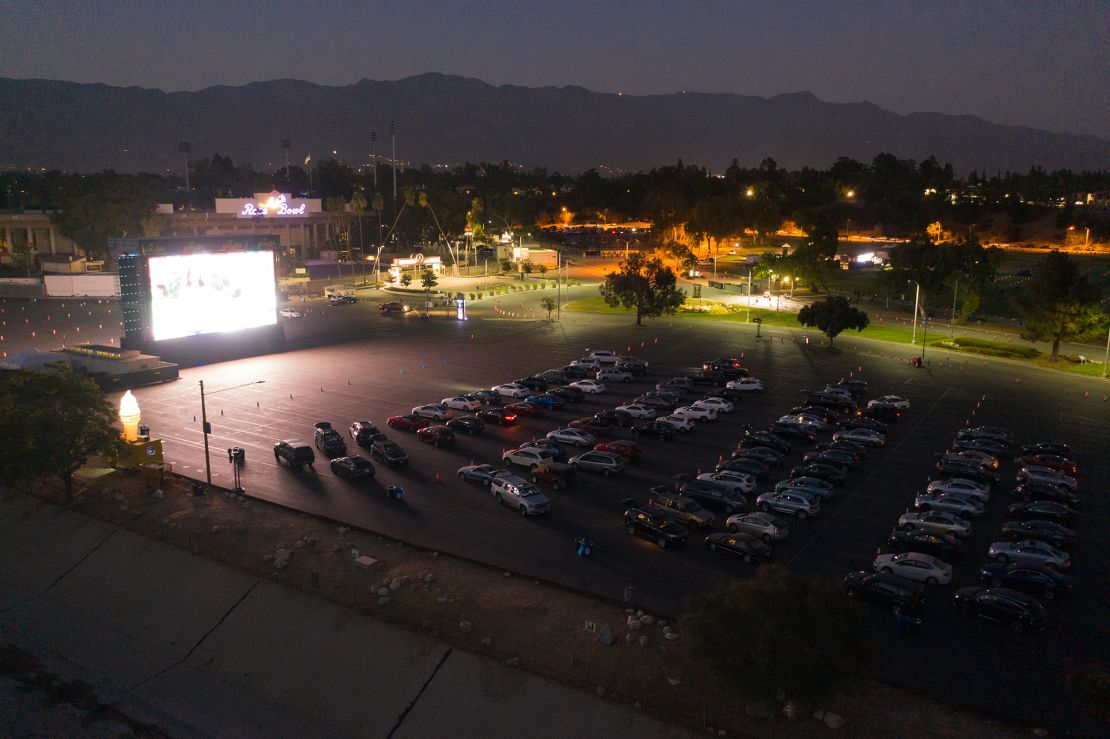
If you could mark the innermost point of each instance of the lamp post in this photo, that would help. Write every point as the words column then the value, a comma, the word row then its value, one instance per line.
column 952, row 318
column 1106, row 357
column 916, row 297
column 749, row 320
column 206, row 428
column 378, row 263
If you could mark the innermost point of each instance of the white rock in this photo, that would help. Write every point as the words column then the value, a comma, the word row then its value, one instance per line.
column 216, row 529
column 508, row 574
column 635, row 626
column 429, row 577
column 343, row 529
column 670, row 636
column 833, row 720
column 395, row 584
column 355, row 553
column 606, row 636
column 629, row 637
column 441, row 599
column 645, row 640
column 666, row 629
column 466, row 627
column 383, row 591
column 383, row 600
column 647, row 619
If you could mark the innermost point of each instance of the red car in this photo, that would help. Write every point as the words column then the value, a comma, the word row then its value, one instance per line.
column 438, row 436
column 1052, row 461
column 525, row 409
column 630, row 450
column 408, row 423
column 590, row 424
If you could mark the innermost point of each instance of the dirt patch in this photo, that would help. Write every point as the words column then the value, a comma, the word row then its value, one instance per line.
column 512, row 619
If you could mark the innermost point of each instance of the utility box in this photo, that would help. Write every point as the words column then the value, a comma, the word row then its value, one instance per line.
column 132, row 455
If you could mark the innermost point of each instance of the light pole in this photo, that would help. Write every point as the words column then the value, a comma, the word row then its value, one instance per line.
column 183, row 149
column 378, row 263
column 1106, row 357
column 559, row 286
column 749, row 294
column 952, row 318
column 916, row 296
column 207, row 429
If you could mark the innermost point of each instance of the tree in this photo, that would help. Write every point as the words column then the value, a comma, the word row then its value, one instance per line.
column 428, row 279
column 406, row 279
column 777, row 637
column 548, row 304
column 358, row 207
column 93, row 209
column 1059, row 303
column 644, row 284
column 833, row 315
column 52, row 422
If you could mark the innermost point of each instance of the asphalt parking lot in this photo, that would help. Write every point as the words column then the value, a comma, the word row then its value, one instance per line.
column 387, row 364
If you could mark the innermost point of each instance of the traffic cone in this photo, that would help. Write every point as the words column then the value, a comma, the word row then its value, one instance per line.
column 436, row 478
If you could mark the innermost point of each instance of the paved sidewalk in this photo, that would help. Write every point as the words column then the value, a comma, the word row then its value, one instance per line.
column 202, row 650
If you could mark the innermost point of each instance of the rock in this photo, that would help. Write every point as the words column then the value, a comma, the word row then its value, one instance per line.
column 629, row 637
column 606, row 636
column 216, row 529
column 383, row 591
column 674, row 681
column 435, row 554
column 508, row 574
column 722, row 732
column 647, row 619
column 758, row 710
column 429, row 578
column 670, row 636
column 661, row 622
column 639, row 614
column 833, row 720
column 383, row 600
column 343, row 529
column 441, row 599
column 635, row 625
column 600, row 690
column 466, row 627
column 645, row 640
column 512, row 662
column 666, row 629
column 118, row 496
column 395, row 584
column 281, row 564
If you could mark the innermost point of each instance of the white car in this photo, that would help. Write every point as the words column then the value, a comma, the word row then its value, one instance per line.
column 512, row 390
column 638, row 410
column 433, row 411
column 975, row 456
column 841, row 392
column 866, row 437
column 893, row 401
column 734, row 482
column 1029, row 551
column 813, row 423
column 461, row 403
column 961, row 486
column 604, row 356
column 530, row 457
column 289, row 313
column 746, row 384
column 935, row 522
column 914, row 566
column 612, row 374
column 518, row 492
column 949, row 502
column 593, row 387
column 677, row 423
column 575, row 437
column 695, row 413
column 767, row 527
column 718, row 404
column 587, row 363
column 1047, row 476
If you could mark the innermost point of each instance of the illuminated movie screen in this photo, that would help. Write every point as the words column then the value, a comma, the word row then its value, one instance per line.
column 209, row 293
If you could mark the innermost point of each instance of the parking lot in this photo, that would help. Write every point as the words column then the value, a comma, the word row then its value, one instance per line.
column 389, row 364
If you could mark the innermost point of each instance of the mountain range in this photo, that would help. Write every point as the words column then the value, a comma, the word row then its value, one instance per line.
column 443, row 119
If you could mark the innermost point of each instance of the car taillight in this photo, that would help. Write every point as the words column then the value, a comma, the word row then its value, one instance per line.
column 510, row 418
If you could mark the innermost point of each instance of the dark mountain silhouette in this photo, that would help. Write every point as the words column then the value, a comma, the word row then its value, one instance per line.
column 448, row 120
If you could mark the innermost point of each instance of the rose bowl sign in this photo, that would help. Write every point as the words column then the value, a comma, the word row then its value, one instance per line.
column 273, row 206
column 268, row 205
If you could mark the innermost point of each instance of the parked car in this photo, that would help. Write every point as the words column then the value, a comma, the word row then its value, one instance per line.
column 748, row 465
column 604, row 356
column 342, row 300
column 867, row 437
column 517, row 492
column 662, row 431
column 655, row 526
column 612, row 374
column 574, row 437
column 836, row 457
column 1051, row 532
column 352, row 468
column 1042, row 582
column 764, row 438
column 935, row 522
column 535, row 384
column 1048, row 447
column 437, row 436
column 466, row 424
column 686, row 511
column 695, row 413
column 1030, row 491
column 893, row 401
column 525, row 409
column 746, row 384
column 591, row 425
column 815, row 486
column 764, row 454
column 793, row 430
column 329, row 441
column 394, row 306
column 945, row 547
column 431, row 411
column 498, row 416
column 966, row 469
column 606, row 463
column 555, row 474
column 613, row 418
column 853, row 385
column 294, row 454
column 637, row 410
column 289, row 313
column 679, row 385
column 407, row 423
column 975, row 455
column 677, row 423
column 365, row 433
column 715, row 403
column 480, row 473
column 461, row 403
column 1047, row 476
column 1044, row 509
column 712, row 495
column 791, row 502
column 635, row 366
column 914, row 566
column 568, row 393
column 552, row 448
column 820, row 470
column 707, row 377
column 745, row 546
column 576, row 372
column 1020, row 611
column 1029, row 551
column 767, row 527
column 389, row 453
column 530, row 457
column 862, row 422
column 950, row 502
column 512, row 390
column 902, row 595
column 589, row 364
column 590, row 387
column 739, row 483
column 546, row 400
column 629, row 450
column 961, row 486
column 990, row 432
column 724, row 364
column 990, row 446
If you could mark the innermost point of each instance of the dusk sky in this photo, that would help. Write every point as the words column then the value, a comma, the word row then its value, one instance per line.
column 1036, row 63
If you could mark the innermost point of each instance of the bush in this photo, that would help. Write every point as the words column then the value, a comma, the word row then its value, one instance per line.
column 990, row 348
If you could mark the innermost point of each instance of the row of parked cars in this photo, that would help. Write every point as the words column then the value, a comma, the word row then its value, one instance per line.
column 1026, row 566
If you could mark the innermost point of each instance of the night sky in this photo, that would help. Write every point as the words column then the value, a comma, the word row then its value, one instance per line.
column 1039, row 63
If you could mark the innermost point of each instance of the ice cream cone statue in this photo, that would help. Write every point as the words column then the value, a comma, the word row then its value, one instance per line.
column 129, row 416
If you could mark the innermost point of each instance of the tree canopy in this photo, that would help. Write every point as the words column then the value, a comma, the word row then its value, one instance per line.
column 1059, row 303
column 51, row 423
column 777, row 637
column 833, row 315
column 645, row 284
column 94, row 209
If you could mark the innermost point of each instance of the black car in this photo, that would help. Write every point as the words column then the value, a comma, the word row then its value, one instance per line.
column 389, row 453
column 1019, row 611
column 574, row 372
column 764, row 438
column 329, row 441
column 1043, row 582
column 662, row 431
column 837, row 457
column 1000, row 435
column 342, row 300
column 713, row 496
column 613, row 418
column 1044, row 509
column 903, row 595
column 489, row 397
column 942, row 546
column 1030, row 491
column 834, row 401
column 821, row 470
column 481, row 473
column 1050, row 532
column 829, row 415
column 885, row 412
column 1048, row 447
column 767, row 455
column 352, row 468
column 969, row 469
column 981, row 444
column 657, row 527
column 744, row 546
column 862, row 422
column 707, row 377
column 536, row 384
column 365, row 433
column 749, row 465
column 498, row 416
column 466, row 424
column 553, row 377
column 844, row 445
column 853, row 385
column 728, row 393
column 793, row 430
column 569, row 394
column 634, row 366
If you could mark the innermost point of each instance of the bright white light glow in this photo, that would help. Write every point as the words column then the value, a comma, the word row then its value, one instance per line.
column 211, row 293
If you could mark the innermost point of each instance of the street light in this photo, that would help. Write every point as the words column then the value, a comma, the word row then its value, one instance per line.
column 1106, row 357
column 916, row 298
column 749, row 293
column 206, row 428
column 952, row 318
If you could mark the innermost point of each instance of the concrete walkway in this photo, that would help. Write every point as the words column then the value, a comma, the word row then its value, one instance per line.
column 202, row 650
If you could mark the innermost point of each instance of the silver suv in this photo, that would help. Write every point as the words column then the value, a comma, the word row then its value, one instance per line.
column 518, row 492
